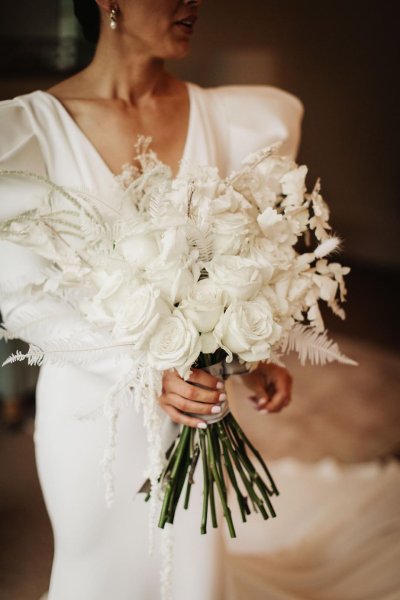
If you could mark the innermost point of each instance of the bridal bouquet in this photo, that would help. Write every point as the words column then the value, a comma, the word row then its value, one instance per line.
column 192, row 271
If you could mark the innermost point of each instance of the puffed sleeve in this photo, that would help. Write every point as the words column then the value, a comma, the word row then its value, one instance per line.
column 36, row 319
column 260, row 115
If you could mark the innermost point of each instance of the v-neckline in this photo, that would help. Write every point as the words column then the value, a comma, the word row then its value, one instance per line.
column 60, row 106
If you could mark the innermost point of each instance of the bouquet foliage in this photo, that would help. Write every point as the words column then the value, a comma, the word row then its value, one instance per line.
column 172, row 273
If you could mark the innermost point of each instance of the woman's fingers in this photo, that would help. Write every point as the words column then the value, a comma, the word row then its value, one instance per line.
column 275, row 392
column 183, row 419
column 183, row 404
column 281, row 395
column 278, row 401
column 180, row 397
column 203, row 378
column 175, row 384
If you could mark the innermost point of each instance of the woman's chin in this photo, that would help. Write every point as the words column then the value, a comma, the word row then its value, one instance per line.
column 177, row 50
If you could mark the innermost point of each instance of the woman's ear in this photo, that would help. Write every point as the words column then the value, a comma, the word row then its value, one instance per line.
column 106, row 5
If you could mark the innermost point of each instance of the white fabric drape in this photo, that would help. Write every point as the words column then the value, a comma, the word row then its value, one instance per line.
column 336, row 535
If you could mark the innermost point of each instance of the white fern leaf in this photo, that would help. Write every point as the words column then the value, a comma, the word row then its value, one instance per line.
column 157, row 207
column 69, row 350
column 203, row 242
column 314, row 346
column 34, row 356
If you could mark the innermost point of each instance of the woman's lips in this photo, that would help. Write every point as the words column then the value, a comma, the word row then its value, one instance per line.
column 186, row 24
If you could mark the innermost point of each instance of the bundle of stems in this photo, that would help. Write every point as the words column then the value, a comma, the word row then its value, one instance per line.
column 223, row 450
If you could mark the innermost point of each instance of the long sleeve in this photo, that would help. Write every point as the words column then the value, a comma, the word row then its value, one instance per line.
column 35, row 318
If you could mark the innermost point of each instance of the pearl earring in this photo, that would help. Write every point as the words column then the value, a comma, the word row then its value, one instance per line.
column 113, row 19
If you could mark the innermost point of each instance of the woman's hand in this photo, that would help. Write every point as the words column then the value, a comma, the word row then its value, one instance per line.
column 179, row 395
column 271, row 386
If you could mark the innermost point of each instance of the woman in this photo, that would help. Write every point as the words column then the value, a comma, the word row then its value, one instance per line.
column 80, row 133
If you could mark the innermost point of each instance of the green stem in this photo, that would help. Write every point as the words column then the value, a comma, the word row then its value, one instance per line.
column 177, row 488
column 190, row 480
column 242, row 500
column 254, row 476
column 235, row 424
column 255, row 499
column 217, row 453
column 221, row 490
column 178, row 455
column 203, row 528
column 212, row 502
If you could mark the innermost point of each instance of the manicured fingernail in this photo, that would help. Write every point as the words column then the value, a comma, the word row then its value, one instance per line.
column 261, row 401
column 222, row 397
column 220, row 385
column 216, row 409
column 263, row 411
column 202, row 425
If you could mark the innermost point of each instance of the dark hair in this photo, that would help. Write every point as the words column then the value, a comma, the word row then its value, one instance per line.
column 88, row 14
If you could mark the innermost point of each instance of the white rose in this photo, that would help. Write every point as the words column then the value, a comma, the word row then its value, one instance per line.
column 204, row 305
column 139, row 245
column 248, row 329
column 113, row 289
column 139, row 315
column 260, row 252
column 174, row 271
column 237, row 276
column 174, row 279
column 175, row 344
column 173, row 244
column 230, row 230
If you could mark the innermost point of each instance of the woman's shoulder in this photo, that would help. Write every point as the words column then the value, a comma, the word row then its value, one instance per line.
column 16, row 108
column 19, row 147
column 256, row 116
column 263, row 98
column 15, row 122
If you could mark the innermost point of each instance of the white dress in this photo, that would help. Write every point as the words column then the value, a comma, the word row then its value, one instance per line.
column 100, row 552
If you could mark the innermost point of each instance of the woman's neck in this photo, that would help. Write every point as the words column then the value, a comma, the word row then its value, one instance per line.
column 125, row 73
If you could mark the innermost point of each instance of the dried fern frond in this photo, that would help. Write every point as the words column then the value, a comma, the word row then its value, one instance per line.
column 34, row 356
column 69, row 350
column 157, row 205
column 314, row 346
column 203, row 242
column 27, row 319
